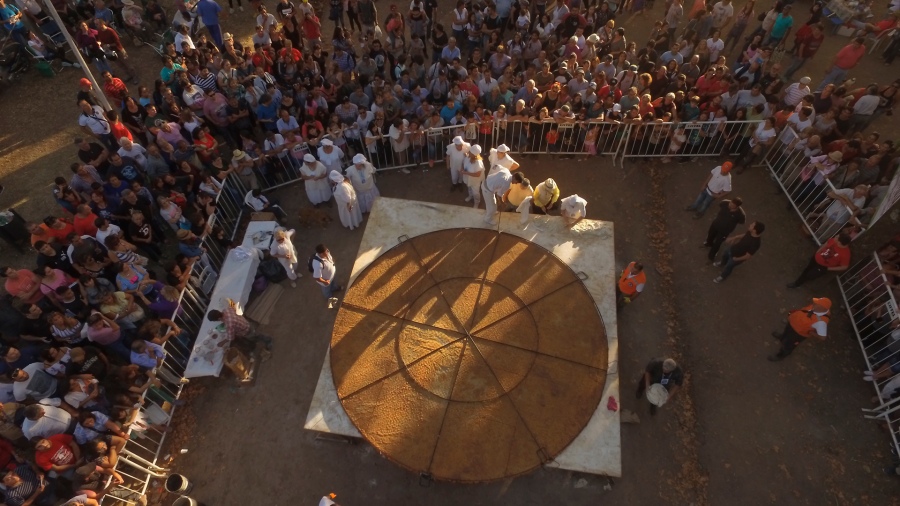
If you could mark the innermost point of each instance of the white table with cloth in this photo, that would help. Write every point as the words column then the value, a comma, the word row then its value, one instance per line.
column 235, row 282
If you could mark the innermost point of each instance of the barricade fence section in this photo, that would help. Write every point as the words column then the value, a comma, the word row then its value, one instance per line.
column 686, row 141
column 809, row 192
column 872, row 305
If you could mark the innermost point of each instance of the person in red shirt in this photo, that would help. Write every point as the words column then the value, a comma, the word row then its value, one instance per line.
column 116, row 128
column 833, row 256
column 261, row 58
column 114, row 89
column 845, row 59
column 23, row 284
column 312, row 29
column 807, row 42
column 59, row 229
column 109, row 37
column 290, row 49
column 57, row 453
column 83, row 221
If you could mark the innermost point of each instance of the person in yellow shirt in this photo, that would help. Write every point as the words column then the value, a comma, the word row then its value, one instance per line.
column 546, row 197
column 519, row 190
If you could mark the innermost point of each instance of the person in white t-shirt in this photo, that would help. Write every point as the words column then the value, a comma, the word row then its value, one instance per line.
column 722, row 14
column 573, row 209
column 134, row 151
column 716, row 186
column 499, row 157
column 283, row 249
column 762, row 138
column 324, row 273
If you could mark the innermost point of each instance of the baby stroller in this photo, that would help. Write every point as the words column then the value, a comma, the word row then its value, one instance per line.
column 135, row 26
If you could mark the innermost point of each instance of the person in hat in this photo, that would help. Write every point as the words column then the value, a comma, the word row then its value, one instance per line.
column 716, row 186
column 256, row 201
column 545, row 197
column 739, row 249
column 499, row 157
column 282, row 248
column 330, row 155
column 362, row 175
column 815, row 173
column 347, row 203
column 665, row 372
column 573, row 209
column 473, row 174
column 808, row 321
column 792, row 95
column 315, row 179
column 242, row 165
column 454, row 158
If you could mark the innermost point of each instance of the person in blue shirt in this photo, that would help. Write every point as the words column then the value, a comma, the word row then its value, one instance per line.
column 12, row 21
column 189, row 244
column 147, row 355
column 267, row 112
column 209, row 13
column 448, row 112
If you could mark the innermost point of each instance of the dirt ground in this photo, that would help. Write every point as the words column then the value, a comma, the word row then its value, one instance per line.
column 744, row 431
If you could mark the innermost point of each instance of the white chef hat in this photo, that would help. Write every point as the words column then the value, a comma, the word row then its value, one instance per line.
column 359, row 158
column 475, row 149
column 309, row 158
column 336, row 176
column 327, row 142
column 458, row 140
column 503, row 148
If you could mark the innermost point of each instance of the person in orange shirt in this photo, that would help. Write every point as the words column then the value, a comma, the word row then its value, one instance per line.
column 59, row 229
column 631, row 284
column 83, row 221
column 39, row 232
column 833, row 256
column 808, row 321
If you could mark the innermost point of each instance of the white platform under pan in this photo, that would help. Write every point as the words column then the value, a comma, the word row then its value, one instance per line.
column 587, row 248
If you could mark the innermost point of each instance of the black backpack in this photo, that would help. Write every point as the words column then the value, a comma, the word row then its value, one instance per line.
column 309, row 263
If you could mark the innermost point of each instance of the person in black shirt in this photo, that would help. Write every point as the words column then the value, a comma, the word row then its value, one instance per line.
column 731, row 214
column 34, row 325
column 73, row 303
column 739, row 249
column 665, row 372
column 140, row 233
column 55, row 256
column 93, row 154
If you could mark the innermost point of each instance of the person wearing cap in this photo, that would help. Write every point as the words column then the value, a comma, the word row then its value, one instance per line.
column 545, row 197
column 362, row 175
column 665, row 372
column 473, row 174
column 631, row 284
column 495, row 185
column 499, row 157
column 454, row 158
column 833, row 256
column 255, row 200
column 792, row 95
column 315, row 180
column 330, row 155
column 716, row 186
column 807, row 322
column 572, row 209
column 739, row 249
column 347, row 202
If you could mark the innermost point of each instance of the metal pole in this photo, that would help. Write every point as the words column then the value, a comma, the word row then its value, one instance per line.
column 48, row 7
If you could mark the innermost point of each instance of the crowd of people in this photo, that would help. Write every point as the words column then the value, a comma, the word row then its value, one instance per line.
column 401, row 90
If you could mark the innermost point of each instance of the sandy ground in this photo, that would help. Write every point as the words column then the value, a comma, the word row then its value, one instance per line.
column 744, row 431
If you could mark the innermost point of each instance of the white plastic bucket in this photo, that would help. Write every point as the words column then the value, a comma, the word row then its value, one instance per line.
column 184, row 501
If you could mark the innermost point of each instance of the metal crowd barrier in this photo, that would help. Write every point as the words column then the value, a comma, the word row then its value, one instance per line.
column 140, row 463
column 686, row 140
column 822, row 216
column 872, row 306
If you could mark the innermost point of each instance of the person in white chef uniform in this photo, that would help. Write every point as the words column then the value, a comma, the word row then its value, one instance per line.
column 473, row 173
column 493, row 188
column 456, row 155
column 499, row 157
column 283, row 249
column 329, row 155
column 347, row 203
column 315, row 179
column 362, row 176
